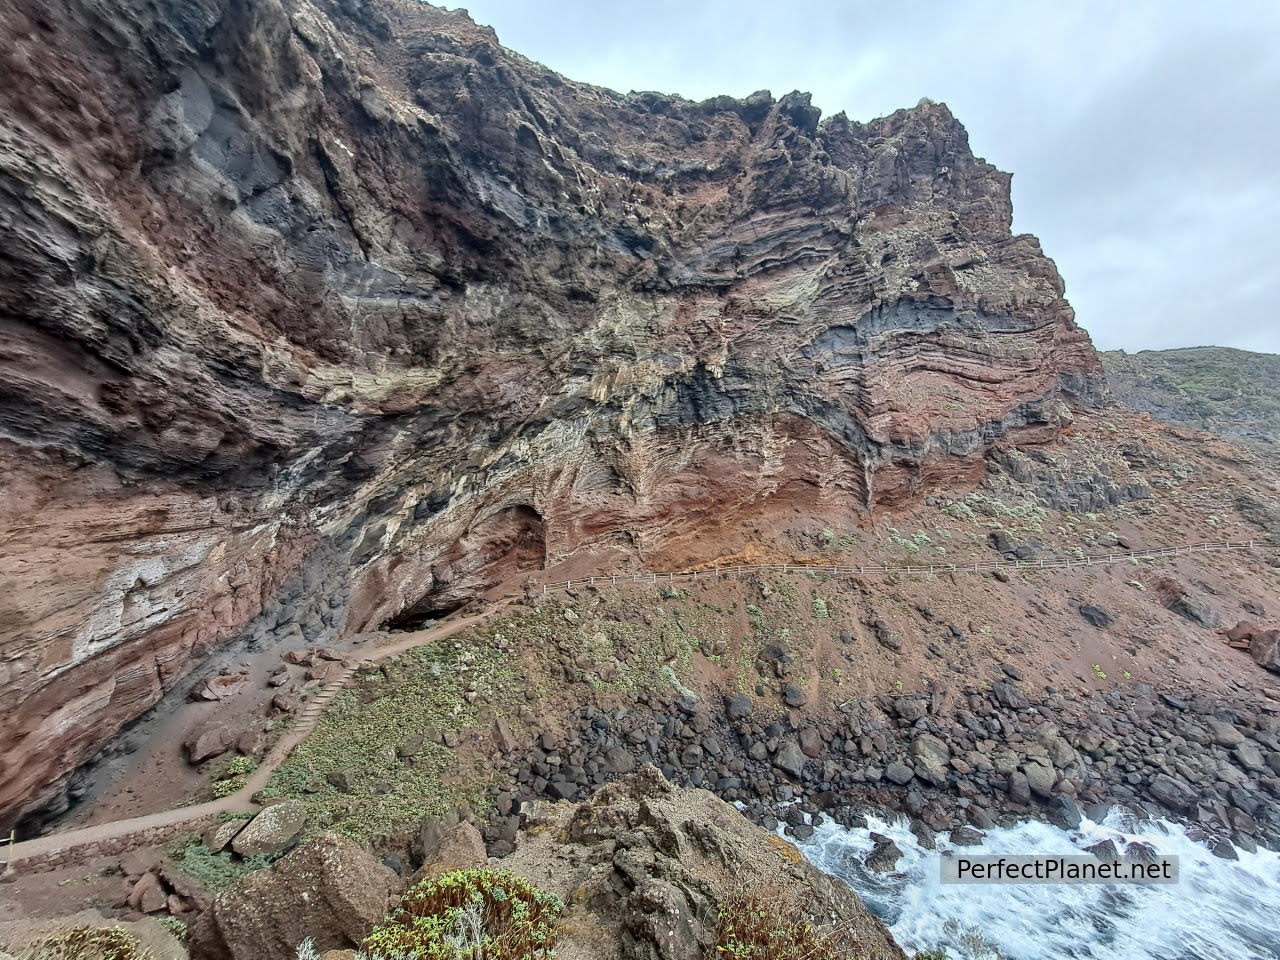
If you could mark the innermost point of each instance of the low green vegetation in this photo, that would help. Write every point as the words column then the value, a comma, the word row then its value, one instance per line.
column 86, row 943
column 385, row 736
column 217, row 871
column 413, row 738
column 763, row 925
column 468, row 914
column 234, row 776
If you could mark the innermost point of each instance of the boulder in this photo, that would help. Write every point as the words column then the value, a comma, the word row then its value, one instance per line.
column 1065, row 812
column 931, row 757
column 1006, row 693
column 1224, row 734
column 1242, row 632
column 790, row 759
column 1172, row 793
column 618, row 760
column 218, row 836
column 661, row 916
column 208, row 742
column 811, row 742
column 1264, row 647
column 147, row 895
column 1104, row 850
column 911, row 709
column 887, row 636
column 220, row 687
column 343, row 781
column 1192, row 609
column 503, row 739
column 793, row 696
column 1096, row 616
column 884, row 856
column 1249, row 756
column 459, row 848
column 737, row 707
column 1040, row 778
column 271, row 831
column 252, row 743
column 1019, row 788
column 329, row 889
column 965, row 836
column 899, row 773
column 134, row 863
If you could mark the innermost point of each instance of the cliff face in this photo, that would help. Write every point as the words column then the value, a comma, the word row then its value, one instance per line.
column 315, row 313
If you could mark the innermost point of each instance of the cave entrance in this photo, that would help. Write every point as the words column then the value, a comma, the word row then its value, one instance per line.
column 502, row 545
column 434, row 606
column 508, row 542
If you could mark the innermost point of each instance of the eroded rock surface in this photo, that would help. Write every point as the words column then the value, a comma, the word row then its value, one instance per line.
column 328, row 889
column 320, row 313
column 642, row 859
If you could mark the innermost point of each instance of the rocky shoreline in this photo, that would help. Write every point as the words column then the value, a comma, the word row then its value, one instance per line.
column 974, row 759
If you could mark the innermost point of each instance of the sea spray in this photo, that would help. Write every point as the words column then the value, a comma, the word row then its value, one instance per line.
column 1219, row 909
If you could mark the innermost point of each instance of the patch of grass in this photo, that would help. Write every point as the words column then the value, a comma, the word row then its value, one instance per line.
column 1025, row 515
column 467, row 914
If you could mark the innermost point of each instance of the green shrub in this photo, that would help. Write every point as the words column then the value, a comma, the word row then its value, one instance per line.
column 763, row 925
column 240, row 766
column 86, row 943
column 234, row 776
column 469, row 913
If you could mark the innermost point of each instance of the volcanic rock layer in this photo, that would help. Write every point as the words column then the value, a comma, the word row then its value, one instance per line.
column 309, row 300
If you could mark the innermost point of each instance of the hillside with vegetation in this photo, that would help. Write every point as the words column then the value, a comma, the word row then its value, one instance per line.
column 1232, row 393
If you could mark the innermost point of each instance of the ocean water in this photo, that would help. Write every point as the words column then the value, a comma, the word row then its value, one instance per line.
column 1218, row 910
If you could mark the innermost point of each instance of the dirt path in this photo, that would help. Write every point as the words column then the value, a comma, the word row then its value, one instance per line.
column 242, row 800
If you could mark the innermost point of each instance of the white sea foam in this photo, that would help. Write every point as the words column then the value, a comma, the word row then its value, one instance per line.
column 1218, row 910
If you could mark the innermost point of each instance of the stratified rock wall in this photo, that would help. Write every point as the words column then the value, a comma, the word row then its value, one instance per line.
column 343, row 275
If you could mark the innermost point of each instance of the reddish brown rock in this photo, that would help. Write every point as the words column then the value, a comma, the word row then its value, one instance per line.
column 220, row 687
column 461, row 847
column 281, row 277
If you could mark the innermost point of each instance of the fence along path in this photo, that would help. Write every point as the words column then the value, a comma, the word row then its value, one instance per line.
column 241, row 801
column 849, row 570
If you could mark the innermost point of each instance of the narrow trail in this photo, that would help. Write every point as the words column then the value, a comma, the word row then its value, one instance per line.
column 242, row 800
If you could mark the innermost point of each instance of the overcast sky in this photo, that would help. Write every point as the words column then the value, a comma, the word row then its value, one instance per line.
column 1143, row 135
